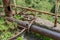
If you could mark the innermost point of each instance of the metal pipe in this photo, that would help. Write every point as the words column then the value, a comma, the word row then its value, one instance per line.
column 38, row 29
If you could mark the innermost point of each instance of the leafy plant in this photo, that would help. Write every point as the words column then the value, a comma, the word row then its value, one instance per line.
column 19, row 38
column 17, row 16
column 5, row 36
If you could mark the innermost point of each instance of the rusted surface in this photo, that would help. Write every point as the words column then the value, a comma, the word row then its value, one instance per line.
column 15, row 6
column 33, row 10
column 38, row 29
column 7, row 8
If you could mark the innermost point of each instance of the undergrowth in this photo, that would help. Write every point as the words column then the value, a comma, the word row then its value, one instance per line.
column 6, row 31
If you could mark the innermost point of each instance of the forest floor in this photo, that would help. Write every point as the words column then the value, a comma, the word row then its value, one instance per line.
column 30, row 36
column 25, row 36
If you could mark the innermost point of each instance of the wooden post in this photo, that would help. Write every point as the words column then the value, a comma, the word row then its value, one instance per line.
column 7, row 8
column 56, row 13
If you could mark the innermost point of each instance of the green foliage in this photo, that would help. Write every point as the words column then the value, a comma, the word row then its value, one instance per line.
column 52, row 1
column 19, row 38
column 28, row 1
column 11, row 1
column 59, row 9
column 5, row 36
column 21, row 2
column 3, row 27
column 43, row 5
column 1, row 20
column 53, row 9
column 17, row 16
column 58, row 20
column 47, row 17
column 0, row 1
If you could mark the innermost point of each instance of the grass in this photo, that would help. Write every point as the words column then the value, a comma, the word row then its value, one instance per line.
column 5, row 31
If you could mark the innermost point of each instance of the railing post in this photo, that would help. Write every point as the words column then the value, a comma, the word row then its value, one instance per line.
column 15, row 6
column 56, row 13
column 7, row 8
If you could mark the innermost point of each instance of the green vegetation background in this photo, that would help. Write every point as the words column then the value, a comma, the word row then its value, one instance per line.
column 42, row 5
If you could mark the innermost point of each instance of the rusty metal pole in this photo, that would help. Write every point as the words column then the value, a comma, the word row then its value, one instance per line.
column 36, row 28
column 56, row 13
column 15, row 6
column 7, row 8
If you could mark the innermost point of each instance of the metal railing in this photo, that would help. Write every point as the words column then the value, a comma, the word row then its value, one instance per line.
column 43, row 12
column 35, row 28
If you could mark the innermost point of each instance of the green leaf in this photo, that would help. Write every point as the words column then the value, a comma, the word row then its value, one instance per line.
column 19, row 38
